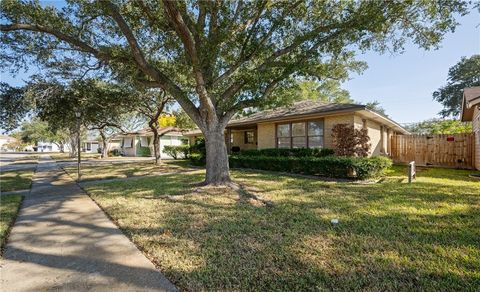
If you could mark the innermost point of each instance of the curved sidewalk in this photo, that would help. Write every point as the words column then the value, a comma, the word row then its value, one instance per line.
column 63, row 241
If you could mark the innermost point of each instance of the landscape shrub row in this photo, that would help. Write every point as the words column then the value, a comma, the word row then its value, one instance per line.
column 329, row 166
column 177, row 151
column 279, row 152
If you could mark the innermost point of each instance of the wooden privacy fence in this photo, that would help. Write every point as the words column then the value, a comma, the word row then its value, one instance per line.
column 456, row 151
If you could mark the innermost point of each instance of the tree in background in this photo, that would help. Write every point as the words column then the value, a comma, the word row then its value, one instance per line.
column 13, row 106
column 167, row 120
column 438, row 126
column 34, row 131
column 216, row 58
column 101, row 105
column 376, row 107
column 465, row 73
column 151, row 104
column 182, row 120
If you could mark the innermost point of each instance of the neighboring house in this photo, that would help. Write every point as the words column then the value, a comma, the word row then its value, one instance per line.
column 306, row 124
column 6, row 141
column 42, row 146
column 471, row 113
column 90, row 146
column 140, row 143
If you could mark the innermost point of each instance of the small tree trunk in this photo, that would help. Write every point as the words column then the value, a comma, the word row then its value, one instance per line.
column 104, row 145
column 73, row 146
column 217, row 158
column 156, row 146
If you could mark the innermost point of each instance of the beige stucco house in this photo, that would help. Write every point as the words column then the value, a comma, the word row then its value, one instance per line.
column 471, row 113
column 306, row 124
column 140, row 143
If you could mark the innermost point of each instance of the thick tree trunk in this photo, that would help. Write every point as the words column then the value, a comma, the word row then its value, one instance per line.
column 217, row 158
column 156, row 146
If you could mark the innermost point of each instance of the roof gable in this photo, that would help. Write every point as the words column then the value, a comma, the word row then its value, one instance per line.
column 471, row 98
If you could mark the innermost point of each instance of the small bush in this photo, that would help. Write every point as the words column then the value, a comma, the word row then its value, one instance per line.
column 144, row 151
column 197, row 159
column 114, row 152
column 298, row 152
column 349, row 141
column 198, row 152
column 177, row 151
column 329, row 166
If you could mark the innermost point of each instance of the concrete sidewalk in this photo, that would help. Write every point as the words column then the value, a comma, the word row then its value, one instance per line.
column 63, row 241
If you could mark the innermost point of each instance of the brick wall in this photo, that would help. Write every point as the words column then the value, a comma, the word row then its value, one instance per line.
column 330, row 122
column 266, row 135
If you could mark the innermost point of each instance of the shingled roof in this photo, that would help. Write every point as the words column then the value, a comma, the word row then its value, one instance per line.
column 471, row 97
column 301, row 108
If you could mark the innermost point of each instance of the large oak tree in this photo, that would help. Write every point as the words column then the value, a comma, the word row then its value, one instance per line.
column 216, row 57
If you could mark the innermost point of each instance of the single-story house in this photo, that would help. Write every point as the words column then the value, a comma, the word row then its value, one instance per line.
column 140, row 143
column 306, row 124
column 471, row 113
column 90, row 146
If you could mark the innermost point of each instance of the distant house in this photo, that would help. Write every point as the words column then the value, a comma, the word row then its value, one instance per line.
column 90, row 146
column 6, row 142
column 140, row 143
column 471, row 113
column 306, row 124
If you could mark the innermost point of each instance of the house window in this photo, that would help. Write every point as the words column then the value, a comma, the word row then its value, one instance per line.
column 249, row 137
column 300, row 135
column 127, row 142
column 315, row 134
column 283, row 136
column 143, row 141
column 89, row 146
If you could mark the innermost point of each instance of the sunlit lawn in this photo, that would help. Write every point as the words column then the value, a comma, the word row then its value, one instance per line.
column 66, row 156
column 124, row 170
column 8, row 211
column 15, row 180
column 391, row 235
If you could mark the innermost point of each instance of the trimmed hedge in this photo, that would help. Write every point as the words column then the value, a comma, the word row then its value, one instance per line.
column 329, row 166
column 281, row 152
column 176, row 151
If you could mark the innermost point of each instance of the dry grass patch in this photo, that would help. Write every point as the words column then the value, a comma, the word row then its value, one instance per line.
column 391, row 236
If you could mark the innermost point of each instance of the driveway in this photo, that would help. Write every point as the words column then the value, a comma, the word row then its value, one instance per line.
column 63, row 241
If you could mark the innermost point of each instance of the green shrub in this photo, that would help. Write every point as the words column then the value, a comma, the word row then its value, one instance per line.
column 329, row 166
column 281, row 152
column 198, row 152
column 197, row 159
column 114, row 152
column 143, row 151
column 177, row 151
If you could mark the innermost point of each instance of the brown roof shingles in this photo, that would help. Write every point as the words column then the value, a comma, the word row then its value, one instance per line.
column 300, row 108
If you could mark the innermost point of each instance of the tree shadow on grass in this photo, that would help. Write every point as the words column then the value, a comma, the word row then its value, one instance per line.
column 387, row 239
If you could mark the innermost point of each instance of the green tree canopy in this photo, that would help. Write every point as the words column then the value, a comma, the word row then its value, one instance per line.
column 216, row 57
column 439, row 126
column 465, row 73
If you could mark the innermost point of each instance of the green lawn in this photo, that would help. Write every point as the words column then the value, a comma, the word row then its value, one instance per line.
column 15, row 180
column 124, row 170
column 9, row 206
column 391, row 235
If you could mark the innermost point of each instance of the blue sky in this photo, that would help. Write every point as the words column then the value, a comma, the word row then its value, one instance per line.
column 403, row 84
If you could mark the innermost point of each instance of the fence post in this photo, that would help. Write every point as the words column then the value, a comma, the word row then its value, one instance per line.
column 412, row 174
